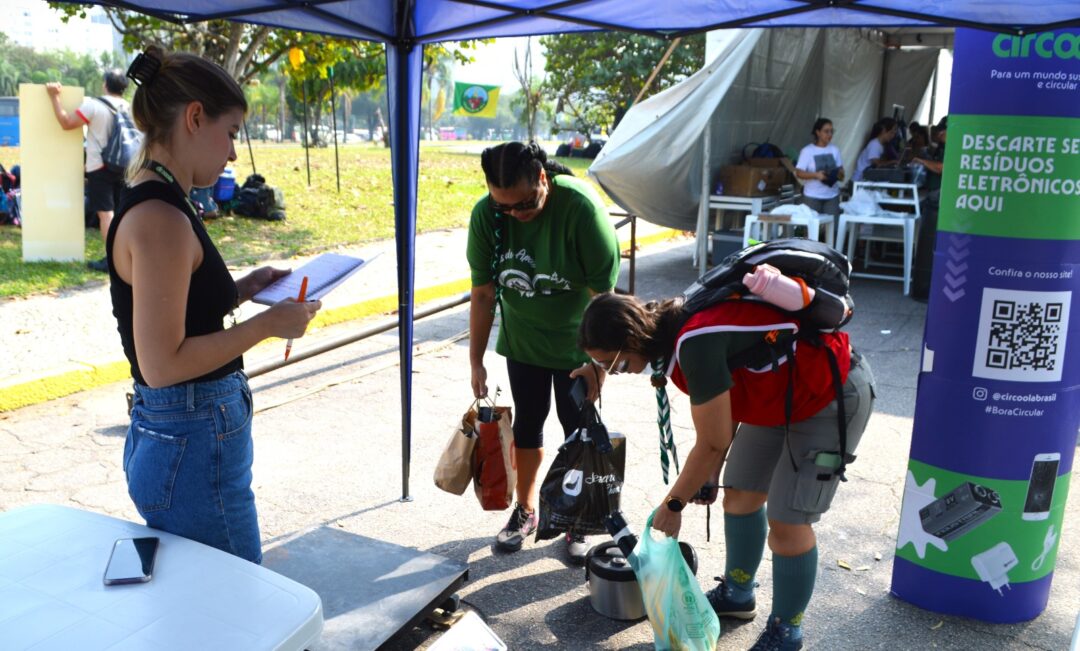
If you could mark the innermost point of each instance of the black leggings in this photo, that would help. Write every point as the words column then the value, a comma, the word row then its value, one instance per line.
column 530, row 387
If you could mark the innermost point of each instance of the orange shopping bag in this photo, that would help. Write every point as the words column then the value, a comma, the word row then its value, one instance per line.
column 494, row 469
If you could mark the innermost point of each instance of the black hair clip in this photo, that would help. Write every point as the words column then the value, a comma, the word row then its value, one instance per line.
column 143, row 69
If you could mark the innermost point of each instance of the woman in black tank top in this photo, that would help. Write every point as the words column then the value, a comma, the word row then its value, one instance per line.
column 188, row 451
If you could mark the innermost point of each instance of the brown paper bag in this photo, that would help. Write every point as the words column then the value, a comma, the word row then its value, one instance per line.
column 455, row 468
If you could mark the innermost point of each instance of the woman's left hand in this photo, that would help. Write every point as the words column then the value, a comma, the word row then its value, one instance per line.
column 667, row 521
column 255, row 281
column 594, row 379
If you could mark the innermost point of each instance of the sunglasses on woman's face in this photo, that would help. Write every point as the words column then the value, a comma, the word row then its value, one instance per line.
column 613, row 366
column 528, row 204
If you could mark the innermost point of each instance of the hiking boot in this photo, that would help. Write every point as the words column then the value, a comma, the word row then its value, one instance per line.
column 777, row 636
column 576, row 548
column 721, row 600
column 101, row 265
column 521, row 524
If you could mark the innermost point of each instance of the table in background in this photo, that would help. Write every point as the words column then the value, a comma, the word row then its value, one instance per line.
column 906, row 196
column 752, row 205
column 52, row 561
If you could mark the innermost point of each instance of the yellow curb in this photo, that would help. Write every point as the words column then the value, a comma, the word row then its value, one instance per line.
column 51, row 387
column 58, row 385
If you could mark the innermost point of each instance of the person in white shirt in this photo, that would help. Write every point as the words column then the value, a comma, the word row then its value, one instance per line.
column 103, row 186
column 821, row 168
column 873, row 154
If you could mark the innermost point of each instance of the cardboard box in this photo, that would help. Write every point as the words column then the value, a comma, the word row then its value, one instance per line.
column 764, row 162
column 749, row 181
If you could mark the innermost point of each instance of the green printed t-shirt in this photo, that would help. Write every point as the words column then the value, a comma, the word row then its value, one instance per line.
column 547, row 267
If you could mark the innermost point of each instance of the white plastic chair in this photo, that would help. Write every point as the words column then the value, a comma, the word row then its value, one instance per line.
column 849, row 230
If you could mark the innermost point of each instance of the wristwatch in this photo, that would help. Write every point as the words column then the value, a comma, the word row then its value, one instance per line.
column 674, row 504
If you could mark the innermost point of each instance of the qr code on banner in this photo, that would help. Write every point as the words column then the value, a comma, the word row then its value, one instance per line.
column 1022, row 335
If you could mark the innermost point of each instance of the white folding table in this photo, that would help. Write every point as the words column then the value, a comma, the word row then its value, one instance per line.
column 52, row 560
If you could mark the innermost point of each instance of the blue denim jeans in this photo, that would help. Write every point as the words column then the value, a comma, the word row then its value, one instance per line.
column 188, row 458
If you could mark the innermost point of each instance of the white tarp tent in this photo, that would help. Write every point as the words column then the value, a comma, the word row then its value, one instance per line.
column 763, row 85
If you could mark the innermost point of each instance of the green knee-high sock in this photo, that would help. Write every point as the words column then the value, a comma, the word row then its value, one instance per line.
column 745, row 539
column 793, row 584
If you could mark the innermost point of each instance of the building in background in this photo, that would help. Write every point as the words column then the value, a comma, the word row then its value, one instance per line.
column 31, row 23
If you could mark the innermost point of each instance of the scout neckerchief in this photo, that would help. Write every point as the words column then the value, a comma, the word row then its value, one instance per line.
column 663, row 419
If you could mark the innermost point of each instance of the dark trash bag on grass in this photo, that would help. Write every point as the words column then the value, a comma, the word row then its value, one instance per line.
column 582, row 487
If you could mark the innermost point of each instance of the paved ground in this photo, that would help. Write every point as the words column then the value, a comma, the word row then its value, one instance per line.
column 328, row 452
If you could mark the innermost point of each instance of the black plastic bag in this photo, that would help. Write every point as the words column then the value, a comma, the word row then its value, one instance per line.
column 582, row 486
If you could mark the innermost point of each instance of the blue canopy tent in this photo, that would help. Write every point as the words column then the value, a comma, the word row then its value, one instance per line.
column 405, row 25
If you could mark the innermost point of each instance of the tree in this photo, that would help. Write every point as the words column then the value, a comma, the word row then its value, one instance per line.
column 438, row 67
column 528, row 102
column 595, row 77
column 243, row 50
column 20, row 64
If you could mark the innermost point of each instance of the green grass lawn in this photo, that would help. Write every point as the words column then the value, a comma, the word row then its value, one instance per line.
column 319, row 217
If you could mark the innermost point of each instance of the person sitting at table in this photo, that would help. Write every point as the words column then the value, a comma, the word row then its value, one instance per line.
column 188, row 451
column 919, row 142
column 874, row 154
column 821, row 168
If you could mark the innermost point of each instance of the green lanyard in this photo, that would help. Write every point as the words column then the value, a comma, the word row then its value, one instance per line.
column 163, row 172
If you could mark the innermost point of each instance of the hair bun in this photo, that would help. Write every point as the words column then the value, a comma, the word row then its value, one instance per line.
column 536, row 151
column 145, row 66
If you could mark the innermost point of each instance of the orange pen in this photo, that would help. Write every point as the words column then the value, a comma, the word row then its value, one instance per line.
column 299, row 299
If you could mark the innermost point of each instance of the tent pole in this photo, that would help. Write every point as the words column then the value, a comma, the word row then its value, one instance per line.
column 250, row 153
column 307, row 135
column 333, row 123
column 933, row 89
column 404, row 63
column 656, row 70
column 701, row 251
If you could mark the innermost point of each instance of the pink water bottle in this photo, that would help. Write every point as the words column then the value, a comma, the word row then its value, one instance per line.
column 774, row 287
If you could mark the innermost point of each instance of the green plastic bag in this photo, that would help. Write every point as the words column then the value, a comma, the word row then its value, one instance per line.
column 680, row 615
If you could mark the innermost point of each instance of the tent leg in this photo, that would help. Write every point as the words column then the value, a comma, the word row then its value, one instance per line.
column 404, row 63
column 701, row 252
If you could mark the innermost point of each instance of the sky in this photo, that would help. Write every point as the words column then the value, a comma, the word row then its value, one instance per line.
column 495, row 63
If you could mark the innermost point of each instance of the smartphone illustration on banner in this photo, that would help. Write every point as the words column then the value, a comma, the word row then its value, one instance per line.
column 1040, row 492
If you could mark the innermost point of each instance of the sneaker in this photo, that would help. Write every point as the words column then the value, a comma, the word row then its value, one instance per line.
column 721, row 601
column 777, row 636
column 521, row 524
column 576, row 548
column 101, row 265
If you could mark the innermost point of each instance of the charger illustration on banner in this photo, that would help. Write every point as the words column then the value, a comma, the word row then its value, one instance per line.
column 994, row 564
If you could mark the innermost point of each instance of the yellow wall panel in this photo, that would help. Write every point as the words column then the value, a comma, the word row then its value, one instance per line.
column 52, row 177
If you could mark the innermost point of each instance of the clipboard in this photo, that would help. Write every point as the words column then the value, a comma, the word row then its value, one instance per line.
column 324, row 273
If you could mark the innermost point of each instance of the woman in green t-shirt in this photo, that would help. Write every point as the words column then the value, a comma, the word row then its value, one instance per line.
column 540, row 246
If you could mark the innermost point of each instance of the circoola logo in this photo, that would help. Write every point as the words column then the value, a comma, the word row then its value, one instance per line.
column 1047, row 45
column 476, row 99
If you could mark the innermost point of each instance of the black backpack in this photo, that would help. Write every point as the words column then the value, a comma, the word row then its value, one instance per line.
column 822, row 268
column 258, row 200
column 124, row 140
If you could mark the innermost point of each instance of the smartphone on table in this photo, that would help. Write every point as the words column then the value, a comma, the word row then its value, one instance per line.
column 131, row 561
column 1040, row 491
